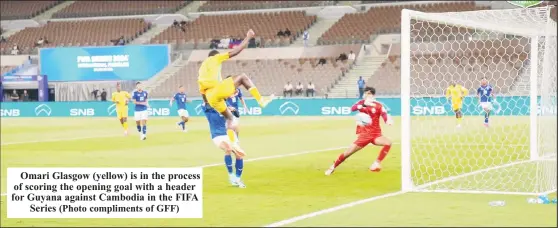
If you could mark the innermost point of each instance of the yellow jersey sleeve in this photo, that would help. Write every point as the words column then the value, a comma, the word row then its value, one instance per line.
column 113, row 97
column 128, row 96
column 222, row 57
column 448, row 92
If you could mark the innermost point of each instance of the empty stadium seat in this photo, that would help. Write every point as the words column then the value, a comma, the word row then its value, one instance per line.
column 6, row 69
column 15, row 10
column 359, row 27
column 498, row 61
column 119, row 8
column 251, row 5
column 266, row 25
column 270, row 75
column 76, row 33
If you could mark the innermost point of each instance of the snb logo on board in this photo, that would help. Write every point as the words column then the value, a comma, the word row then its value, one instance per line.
column 289, row 107
column 111, row 109
column 43, row 110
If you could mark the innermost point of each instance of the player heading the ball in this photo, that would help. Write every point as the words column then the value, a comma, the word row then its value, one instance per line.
column 485, row 94
column 455, row 94
column 215, row 90
column 368, row 134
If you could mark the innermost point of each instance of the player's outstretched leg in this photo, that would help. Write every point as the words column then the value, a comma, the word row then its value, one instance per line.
column 138, row 127
column 245, row 81
column 342, row 157
column 386, row 143
column 228, row 162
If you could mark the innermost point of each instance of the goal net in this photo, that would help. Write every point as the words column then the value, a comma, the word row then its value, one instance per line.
column 515, row 51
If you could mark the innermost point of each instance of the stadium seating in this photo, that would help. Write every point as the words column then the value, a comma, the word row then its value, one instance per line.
column 266, row 25
column 251, row 5
column 359, row 27
column 270, row 75
column 15, row 10
column 118, row 8
column 431, row 73
column 76, row 33
column 6, row 69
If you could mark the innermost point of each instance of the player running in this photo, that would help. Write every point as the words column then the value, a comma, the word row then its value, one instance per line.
column 455, row 94
column 371, row 133
column 219, row 136
column 120, row 99
column 181, row 101
column 139, row 98
column 232, row 103
column 485, row 95
column 215, row 90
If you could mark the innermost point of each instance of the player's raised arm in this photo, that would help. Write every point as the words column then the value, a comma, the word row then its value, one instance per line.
column 464, row 91
column 236, row 50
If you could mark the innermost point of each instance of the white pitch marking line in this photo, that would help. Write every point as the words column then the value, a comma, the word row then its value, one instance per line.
column 268, row 157
column 332, row 209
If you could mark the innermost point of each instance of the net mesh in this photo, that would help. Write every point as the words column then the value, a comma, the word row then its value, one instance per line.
column 466, row 155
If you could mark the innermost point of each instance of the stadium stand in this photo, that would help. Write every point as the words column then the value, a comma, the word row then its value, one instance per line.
column 359, row 27
column 119, row 8
column 201, row 31
column 465, row 68
column 276, row 72
column 15, row 10
column 6, row 69
column 76, row 33
column 251, row 5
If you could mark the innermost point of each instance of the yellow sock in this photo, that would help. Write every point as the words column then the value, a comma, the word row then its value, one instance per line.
column 232, row 135
column 256, row 94
column 125, row 126
column 459, row 120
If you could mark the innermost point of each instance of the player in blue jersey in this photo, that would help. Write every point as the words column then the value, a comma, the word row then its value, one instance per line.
column 232, row 103
column 485, row 94
column 218, row 130
column 181, row 101
column 139, row 97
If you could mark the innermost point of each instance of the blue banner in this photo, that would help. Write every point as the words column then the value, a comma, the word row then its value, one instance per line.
column 516, row 106
column 111, row 63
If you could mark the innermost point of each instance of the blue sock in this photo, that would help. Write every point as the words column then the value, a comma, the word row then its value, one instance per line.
column 183, row 125
column 486, row 115
column 239, row 165
column 228, row 163
column 139, row 128
column 144, row 129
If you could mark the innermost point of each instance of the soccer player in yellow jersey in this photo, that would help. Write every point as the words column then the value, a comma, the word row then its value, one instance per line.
column 215, row 90
column 455, row 93
column 121, row 98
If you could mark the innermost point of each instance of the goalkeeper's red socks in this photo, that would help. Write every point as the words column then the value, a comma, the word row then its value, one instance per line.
column 383, row 153
column 339, row 160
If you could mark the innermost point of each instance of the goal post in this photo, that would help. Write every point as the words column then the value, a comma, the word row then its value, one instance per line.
column 515, row 151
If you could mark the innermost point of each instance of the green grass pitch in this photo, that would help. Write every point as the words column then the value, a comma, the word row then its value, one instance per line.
column 292, row 183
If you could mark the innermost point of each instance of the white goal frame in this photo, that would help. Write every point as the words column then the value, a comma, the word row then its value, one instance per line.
column 533, row 32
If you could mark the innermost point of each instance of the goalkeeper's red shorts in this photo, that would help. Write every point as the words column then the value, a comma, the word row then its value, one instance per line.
column 365, row 139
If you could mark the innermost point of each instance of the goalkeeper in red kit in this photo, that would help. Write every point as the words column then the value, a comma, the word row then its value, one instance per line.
column 368, row 134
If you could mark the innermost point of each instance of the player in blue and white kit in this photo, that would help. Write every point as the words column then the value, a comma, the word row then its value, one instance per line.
column 139, row 97
column 485, row 95
column 181, row 101
column 218, row 130
column 232, row 103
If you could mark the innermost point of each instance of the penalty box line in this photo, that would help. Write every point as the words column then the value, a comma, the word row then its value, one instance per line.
column 268, row 157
